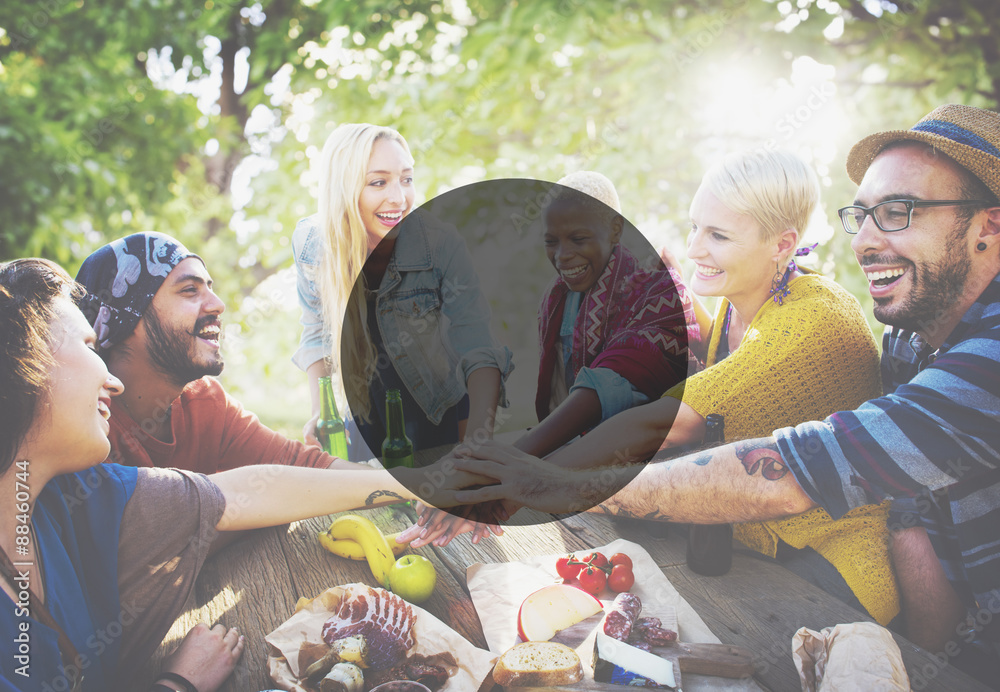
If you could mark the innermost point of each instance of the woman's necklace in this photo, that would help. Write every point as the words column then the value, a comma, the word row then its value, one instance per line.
column 735, row 331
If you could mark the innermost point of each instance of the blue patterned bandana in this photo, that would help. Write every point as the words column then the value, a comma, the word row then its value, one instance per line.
column 121, row 279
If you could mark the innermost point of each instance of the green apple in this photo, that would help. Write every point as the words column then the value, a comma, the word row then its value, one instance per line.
column 412, row 578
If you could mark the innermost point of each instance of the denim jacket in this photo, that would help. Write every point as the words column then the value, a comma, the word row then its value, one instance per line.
column 434, row 320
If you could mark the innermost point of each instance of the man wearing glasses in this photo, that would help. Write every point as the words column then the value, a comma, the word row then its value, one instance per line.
column 926, row 231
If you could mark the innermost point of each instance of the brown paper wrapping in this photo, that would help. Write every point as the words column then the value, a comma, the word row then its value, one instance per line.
column 498, row 589
column 859, row 657
column 432, row 637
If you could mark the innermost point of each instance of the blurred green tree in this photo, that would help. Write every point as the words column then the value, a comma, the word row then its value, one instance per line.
column 200, row 118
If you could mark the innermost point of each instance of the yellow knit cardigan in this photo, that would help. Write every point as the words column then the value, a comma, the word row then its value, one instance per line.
column 800, row 361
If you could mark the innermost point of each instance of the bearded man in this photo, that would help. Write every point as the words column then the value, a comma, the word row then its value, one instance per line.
column 159, row 329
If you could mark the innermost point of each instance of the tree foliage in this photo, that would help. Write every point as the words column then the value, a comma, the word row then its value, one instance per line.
column 199, row 118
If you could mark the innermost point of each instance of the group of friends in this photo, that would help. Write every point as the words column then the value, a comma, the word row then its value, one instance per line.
column 882, row 471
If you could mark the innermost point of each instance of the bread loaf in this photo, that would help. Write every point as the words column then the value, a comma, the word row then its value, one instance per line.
column 537, row 664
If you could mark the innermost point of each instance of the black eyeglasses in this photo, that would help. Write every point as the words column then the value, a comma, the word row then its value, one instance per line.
column 895, row 215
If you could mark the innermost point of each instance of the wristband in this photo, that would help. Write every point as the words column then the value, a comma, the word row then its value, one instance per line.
column 185, row 684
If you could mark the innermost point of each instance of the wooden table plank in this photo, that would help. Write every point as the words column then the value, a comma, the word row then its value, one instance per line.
column 244, row 585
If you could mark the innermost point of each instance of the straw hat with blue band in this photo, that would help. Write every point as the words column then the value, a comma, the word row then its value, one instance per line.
column 969, row 135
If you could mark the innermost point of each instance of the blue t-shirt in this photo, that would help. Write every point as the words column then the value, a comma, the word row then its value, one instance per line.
column 615, row 393
column 77, row 518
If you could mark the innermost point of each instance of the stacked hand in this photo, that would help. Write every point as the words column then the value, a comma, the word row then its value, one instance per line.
column 496, row 480
column 442, row 481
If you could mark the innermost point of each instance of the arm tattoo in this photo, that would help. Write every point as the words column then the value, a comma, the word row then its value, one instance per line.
column 703, row 458
column 642, row 503
column 766, row 459
column 613, row 510
column 378, row 495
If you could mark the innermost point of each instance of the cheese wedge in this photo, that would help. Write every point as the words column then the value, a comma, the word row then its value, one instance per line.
column 621, row 664
column 553, row 608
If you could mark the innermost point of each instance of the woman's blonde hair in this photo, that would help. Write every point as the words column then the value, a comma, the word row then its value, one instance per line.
column 774, row 187
column 344, row 163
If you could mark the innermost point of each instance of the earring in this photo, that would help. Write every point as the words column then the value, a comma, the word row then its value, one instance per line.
column 776, row 279
column 981, row 247
column 779, row 283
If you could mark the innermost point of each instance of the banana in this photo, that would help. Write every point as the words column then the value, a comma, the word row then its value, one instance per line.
column 352, row 550
column 376, row 547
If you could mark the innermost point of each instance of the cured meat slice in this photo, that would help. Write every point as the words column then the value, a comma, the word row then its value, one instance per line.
column 383, row 619
column 624, row 611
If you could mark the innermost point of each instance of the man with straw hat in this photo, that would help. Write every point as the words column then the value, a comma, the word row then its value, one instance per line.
column 926, row 231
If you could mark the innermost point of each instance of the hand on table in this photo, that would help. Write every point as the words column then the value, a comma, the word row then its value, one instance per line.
column 438, row 527
column 207, row 656
column 482, row 520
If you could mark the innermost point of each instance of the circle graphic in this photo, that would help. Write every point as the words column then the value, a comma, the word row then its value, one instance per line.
column 508, row 312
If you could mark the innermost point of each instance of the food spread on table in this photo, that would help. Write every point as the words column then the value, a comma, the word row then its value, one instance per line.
column 356, row 537
column 354, row 637
column 623, row 646
column 625, row 632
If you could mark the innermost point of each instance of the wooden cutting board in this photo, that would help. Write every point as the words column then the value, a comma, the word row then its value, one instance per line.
column 703, row 659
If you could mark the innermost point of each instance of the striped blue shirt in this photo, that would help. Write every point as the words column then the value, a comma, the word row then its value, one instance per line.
column 931, row 442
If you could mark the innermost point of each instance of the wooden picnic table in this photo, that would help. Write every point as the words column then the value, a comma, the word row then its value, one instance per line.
column 254, row 585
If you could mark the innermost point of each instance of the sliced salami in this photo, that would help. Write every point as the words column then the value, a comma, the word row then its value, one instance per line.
column 624, row 611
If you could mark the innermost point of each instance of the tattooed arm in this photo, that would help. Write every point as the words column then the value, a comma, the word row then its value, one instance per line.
column 743, row 481
column 746, row 481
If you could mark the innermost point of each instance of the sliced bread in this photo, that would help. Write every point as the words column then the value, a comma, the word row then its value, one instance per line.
column 536, row 664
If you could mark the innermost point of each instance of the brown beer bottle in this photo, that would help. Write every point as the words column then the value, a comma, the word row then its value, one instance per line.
column 710, row 546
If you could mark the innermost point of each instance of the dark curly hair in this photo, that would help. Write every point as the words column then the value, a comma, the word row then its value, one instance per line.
column 28, row 291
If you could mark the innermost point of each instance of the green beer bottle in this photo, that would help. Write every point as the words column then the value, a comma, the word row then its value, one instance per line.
column 397, row 450
column 329, row 427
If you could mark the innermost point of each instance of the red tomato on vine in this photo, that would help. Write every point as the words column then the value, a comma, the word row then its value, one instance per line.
column 621, row 578
column 593, row 580
column 568, row 567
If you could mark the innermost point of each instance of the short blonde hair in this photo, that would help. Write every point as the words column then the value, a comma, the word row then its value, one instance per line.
column 594, row 184
column 775, row 188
